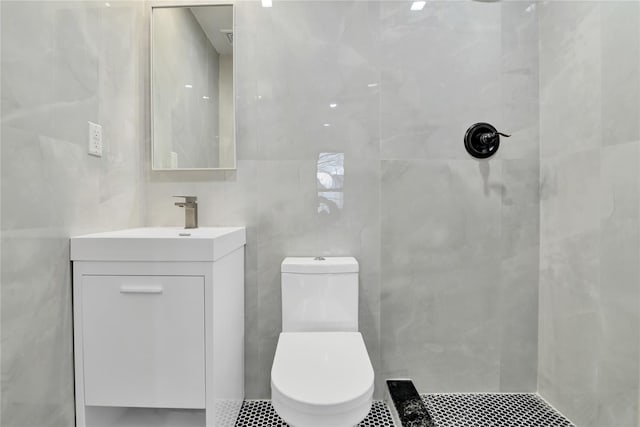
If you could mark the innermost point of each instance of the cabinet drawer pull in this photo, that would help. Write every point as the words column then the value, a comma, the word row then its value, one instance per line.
column 140, row 289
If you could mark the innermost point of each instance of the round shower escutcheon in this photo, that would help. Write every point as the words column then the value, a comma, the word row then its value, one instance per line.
column 480, row 147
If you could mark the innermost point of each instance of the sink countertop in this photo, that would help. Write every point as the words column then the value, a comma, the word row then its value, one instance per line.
column 158, row 244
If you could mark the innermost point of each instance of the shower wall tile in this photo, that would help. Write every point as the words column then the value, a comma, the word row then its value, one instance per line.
column 63, row 63
column 590, row 244
column 569, row 325
column 518, row 310
column 441, row 274
column 619, row 287
column 571, row 75
column 620, row 72
column 519, row 80
column 569, row 195
column 459, row 237
column 520, row 226
column 519, row 275
column 440, row 73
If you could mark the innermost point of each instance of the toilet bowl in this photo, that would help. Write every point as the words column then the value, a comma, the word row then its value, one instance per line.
column 321, row 379
column 321, row 374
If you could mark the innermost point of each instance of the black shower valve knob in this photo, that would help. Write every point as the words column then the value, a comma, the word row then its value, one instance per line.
column 482, row 140
column 490, row 138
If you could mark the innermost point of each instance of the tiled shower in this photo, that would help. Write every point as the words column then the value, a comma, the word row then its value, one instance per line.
column 515, row 274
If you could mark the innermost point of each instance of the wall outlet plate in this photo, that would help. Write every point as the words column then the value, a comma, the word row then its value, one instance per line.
column 95, row 139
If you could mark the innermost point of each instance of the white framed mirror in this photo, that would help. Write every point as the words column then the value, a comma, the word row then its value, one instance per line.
column 192, row 87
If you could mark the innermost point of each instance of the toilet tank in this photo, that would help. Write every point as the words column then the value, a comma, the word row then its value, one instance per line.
column 320, row 294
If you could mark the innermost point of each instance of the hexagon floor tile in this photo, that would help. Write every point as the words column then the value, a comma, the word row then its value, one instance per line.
column 492, row 410
column 260, row 413
column 447, row 410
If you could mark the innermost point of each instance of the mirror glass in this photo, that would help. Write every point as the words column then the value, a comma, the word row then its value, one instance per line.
column 192, row 96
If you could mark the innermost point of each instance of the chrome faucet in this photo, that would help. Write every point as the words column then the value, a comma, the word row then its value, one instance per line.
column 190, row 206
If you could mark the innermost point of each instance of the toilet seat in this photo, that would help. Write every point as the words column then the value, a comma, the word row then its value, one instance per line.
column 322, row 379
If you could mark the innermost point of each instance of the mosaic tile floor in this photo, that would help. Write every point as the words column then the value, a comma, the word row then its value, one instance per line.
column 447, row 410
column 260, row 413
column 492, row 410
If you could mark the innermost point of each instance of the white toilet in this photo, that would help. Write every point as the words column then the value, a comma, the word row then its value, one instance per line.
column 321, row 374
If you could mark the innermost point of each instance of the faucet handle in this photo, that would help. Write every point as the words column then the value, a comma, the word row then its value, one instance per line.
column 190, row 206
column 188, row 199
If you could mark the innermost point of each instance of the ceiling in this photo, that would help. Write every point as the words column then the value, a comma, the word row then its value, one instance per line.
column 213, row 19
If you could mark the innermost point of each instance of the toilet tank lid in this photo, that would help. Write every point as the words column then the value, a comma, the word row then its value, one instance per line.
column 315, row 265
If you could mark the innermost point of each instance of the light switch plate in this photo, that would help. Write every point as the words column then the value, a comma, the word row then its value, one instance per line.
column 95, row 139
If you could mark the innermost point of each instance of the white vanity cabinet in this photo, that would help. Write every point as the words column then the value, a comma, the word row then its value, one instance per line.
column 143, row 341
column 159, row 327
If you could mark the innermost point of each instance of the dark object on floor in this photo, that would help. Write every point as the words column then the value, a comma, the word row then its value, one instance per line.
column 408, row 407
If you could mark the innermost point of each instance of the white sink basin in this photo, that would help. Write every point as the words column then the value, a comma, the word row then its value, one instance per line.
column 158, row 244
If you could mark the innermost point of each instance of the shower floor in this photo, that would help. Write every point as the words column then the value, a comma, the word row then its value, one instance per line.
column 447, row 410
column 492, row 409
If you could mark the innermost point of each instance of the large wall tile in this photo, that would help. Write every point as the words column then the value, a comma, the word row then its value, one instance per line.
column 619, row 294
column 519, row 80
column 620, row 72
column 306, row 56
column 37, row 362
column 430, row 92
column 518, row 307
column 63, row 63
column 569, row 325
column 519, row 275
column 459, row 237
column 440, row 274
column 589, row 292
column 570, row 76
column 569, row 195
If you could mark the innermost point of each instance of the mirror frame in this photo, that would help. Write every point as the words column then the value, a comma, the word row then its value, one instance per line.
column 158, row 4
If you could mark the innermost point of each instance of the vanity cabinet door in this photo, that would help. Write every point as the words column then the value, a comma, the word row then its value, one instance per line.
column 143, row 341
